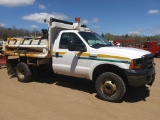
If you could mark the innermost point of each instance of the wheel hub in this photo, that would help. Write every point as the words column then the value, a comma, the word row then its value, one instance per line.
column 108, row 88
column 21, row 73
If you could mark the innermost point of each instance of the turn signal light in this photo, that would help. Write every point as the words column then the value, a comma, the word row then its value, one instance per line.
column 131, row 67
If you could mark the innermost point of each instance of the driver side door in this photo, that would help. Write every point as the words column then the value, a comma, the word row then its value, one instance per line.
column 68, row 62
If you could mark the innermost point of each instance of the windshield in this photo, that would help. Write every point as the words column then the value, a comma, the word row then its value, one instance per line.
column 94, row 40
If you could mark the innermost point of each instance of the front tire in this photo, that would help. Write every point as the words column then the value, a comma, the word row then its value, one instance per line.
column 23, row 72
column 110, row 87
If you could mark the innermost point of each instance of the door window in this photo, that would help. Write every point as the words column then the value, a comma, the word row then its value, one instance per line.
column 67, row 37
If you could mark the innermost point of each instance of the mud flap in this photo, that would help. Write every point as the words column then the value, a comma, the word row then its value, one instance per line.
column 11, row 64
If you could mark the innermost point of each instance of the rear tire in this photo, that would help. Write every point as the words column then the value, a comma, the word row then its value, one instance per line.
column 110, row 87
column 23, row 72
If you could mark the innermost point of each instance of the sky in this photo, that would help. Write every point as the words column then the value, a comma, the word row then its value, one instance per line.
column 118, row 17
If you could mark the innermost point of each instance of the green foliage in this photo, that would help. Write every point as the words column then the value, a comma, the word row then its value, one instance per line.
column 140, row 38
column 15, row 32
column 102, row 35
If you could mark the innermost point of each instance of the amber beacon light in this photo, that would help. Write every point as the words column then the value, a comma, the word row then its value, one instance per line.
column 77, row 20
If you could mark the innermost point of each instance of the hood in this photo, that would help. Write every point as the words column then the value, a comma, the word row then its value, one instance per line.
column 131, row 53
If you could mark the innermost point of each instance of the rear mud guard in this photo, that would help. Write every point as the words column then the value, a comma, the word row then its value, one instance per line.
column 11, row 64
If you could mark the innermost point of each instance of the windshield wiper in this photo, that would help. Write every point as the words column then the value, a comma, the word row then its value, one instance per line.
column 97, row 45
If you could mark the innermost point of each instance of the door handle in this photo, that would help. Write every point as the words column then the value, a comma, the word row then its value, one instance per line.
column 57, row 54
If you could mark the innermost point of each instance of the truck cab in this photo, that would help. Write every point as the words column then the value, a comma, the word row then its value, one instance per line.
column 73, row 50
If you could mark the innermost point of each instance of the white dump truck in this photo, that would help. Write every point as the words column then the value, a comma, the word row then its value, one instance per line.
column 72, row 49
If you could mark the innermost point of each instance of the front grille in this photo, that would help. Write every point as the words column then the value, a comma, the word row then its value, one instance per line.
column 148, row 61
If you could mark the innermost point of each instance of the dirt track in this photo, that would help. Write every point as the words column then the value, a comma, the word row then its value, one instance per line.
column 66, row 98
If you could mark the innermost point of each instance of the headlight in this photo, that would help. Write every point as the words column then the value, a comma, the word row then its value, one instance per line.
column 136, row 64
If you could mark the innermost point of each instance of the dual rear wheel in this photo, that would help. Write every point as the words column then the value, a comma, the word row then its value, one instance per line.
column 24, row 72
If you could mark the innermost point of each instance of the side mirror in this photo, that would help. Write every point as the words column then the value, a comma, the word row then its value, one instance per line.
column 83, row 48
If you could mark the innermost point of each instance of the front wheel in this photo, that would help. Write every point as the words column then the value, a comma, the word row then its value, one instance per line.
column 110, row 87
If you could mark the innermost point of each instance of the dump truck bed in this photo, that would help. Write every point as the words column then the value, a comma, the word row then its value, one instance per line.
column 27, row 48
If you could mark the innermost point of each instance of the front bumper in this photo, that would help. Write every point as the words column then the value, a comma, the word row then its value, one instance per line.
column 140, row 77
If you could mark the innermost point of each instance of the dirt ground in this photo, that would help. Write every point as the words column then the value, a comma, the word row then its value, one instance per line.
column 67, row 98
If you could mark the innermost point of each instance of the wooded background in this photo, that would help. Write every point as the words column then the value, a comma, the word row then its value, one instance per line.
column 140, row 38
column 15, row 32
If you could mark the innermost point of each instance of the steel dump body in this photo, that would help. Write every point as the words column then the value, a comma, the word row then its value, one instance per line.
column 27, row 48
column 40, row 48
